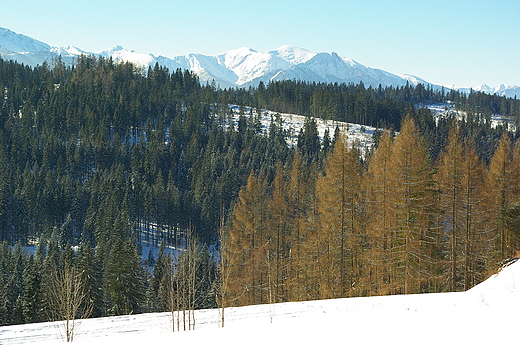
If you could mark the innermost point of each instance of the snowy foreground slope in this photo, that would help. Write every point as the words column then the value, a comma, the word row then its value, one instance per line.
column 485, row 316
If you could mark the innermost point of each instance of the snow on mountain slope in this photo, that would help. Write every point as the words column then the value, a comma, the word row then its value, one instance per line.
column 507, row 91
column 208, row 68
column 240, row 67
column 248, row 64
column 293, row 55
column 119, row 53
column 68, row 51
column 480, row 317
column 501, row 90
column 413, row 79
column 330, row 68
column 29, row 51
column 11, row 41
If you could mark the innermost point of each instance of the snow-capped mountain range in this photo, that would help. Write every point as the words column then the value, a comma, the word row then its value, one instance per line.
column 240, row 67
column 501, row 90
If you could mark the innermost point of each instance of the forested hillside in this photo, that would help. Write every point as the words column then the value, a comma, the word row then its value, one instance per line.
column 95, row 156
column 400, row 223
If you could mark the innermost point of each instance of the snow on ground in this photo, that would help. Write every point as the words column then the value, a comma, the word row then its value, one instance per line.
column 444, row 110
column 293, row 124
column 481, row 317
column 361, row 135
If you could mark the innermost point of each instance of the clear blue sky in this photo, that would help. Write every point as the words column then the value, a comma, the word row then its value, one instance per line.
column 455, row 42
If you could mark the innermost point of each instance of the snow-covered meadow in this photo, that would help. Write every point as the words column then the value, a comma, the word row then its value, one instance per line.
column 485, row 316
column 361, row 135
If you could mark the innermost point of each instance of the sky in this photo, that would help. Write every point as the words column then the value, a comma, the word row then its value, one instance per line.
column 458, row 43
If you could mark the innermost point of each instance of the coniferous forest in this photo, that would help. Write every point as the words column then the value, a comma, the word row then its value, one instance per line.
column 100, row 158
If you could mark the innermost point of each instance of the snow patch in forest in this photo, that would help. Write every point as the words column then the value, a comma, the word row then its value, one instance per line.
column 446, row 110
column 358, row 134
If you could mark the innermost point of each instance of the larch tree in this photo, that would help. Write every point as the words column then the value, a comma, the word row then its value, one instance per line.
column 164, row 284
column 300, row 197
column 186, row 284
column 279, row 227
column 340, row 236
column 478, row 237
column 305, row 270
column 501, row 193
column 378, row 185
column 512, row 218
column 451, row 166
column 515, row 172
column 247, row 245
column 67, row 298
column 464, row 208
column 412, row 202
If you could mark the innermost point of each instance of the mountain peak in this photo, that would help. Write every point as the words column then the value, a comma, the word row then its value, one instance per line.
column 242, row 51
column 239, row 67
column 67, row 51
column 292, row 54
column 114, row 49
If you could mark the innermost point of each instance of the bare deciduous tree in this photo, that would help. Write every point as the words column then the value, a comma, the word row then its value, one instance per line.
column 67, row 299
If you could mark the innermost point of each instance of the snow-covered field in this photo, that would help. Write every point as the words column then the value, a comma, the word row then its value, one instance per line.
column 485, row 316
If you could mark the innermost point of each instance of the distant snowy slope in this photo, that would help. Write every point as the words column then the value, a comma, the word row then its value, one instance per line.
column 293, row 55
column 119, row 53
column 240, row 67
column 501, row 90
column 11, row 41
column 248, row 64
column 29, row 51
column 68, row 51
column 507, row 91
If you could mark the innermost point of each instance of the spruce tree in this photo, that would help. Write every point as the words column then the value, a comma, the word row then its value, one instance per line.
column 160, row 271
column 90, row 273
column 123, row 272
column 32, row 298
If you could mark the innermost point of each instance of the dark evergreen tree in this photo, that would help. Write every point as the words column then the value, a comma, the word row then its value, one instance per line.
column 32, row 299
column 308, row 140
